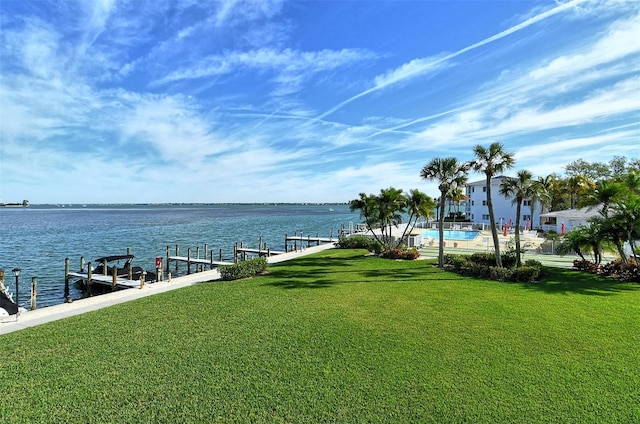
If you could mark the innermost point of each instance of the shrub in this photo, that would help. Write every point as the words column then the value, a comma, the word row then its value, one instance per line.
column 482, row 265
column 457, row 262
column 477, row 270
column 509, row 258
column 585, row 265
column 356, row 242
column 482, row 258
column 243, row 269
column 533, row 263
column 410, row 254
column 622, row 271
column 525, row 274
column 631, row 272
column 499, row 273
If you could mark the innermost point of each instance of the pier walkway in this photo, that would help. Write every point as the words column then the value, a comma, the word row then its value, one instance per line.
column 77, row 307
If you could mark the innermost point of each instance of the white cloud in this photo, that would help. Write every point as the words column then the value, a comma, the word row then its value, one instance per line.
column 621, row 41
column 230, row 11
column 409, row 70
column 291, row 66
column 419, row 66
column 170, row 126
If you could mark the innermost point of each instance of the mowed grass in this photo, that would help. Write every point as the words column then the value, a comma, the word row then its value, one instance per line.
column 339, row 337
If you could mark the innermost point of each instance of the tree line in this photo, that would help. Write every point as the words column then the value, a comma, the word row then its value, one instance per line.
column 614, row 185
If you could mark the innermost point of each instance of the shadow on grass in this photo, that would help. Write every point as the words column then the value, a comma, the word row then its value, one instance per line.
column 323, row 272
column 564, row 281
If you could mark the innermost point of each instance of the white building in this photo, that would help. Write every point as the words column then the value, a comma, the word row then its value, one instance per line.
column 566, row 220
column 504, row 209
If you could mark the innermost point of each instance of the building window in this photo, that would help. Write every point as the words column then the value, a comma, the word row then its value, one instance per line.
column 473, row 189
column 484, row 203
column 473, row 217
column 473, row 203
column 526, row 203
column 485, row 217
column 484, row 189
column 525, row 217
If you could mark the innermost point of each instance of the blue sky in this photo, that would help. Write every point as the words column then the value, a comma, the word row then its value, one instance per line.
column 303, row 101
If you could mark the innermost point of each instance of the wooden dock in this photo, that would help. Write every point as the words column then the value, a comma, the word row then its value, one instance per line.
column 90, row 277
column 299, row 240
column 104, row 279
column 197, row 260
column 240, row 252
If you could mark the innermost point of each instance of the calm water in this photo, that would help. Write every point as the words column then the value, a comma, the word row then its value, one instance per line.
column 38, row 239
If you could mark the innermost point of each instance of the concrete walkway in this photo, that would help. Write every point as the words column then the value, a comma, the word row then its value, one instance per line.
column 56, row 312
column 545, row 259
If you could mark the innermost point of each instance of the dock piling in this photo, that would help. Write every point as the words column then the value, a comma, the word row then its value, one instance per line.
column 66, row 279
column 89, row 276
column 168, row 256
column 34, row 292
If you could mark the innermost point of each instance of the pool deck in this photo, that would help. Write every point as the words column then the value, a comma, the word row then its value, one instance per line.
column 484, row 241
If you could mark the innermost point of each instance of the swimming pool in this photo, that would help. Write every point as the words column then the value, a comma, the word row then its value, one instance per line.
column 452, row 234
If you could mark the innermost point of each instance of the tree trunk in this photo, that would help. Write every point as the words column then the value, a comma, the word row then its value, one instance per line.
column 492, row 220
column 621, row 252
column 441, row 231
column 518, row 211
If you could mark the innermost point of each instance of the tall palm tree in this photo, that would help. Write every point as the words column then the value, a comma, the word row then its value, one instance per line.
column 492, row 161
column 450, row 175
column 519, row 188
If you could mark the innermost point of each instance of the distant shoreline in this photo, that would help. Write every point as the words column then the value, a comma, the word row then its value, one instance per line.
column 84, row 205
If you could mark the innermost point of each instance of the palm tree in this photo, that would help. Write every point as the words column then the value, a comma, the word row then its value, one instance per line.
column 603, row 194
column 584, row 239
column 383, row 211
column 455, row 197
column 392, row 205
column 450, row 175
column 577, row 186
column 419, row 205
column 627, row 216
column 492, row 161
column 519, row 188
column 368, row 207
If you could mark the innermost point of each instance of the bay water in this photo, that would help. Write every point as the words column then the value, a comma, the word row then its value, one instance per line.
column 37, row 239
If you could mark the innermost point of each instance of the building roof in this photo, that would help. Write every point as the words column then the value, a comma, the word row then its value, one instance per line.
column 575, row 214
column 494, row 180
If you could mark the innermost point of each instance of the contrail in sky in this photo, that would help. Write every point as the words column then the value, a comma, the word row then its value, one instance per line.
column 429, row 65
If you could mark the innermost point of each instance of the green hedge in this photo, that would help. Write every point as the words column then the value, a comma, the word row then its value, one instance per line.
column 359, row 242
column 482, row 265
column 243, row 269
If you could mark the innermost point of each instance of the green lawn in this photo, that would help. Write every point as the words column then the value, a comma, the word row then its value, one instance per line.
column 339, row 337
